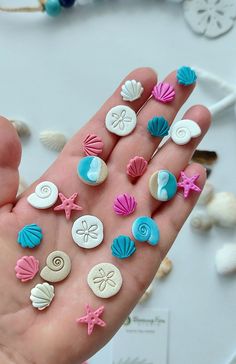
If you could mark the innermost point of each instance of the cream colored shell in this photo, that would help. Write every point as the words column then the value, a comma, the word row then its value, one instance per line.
column 225, row 259
column 45, row 195
column 42, row 295
column 58, row 267
column 222, row 209
column 53, row 140
column 165, row 268
column 131, row 90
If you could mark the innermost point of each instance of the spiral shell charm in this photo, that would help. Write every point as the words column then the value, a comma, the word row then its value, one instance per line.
column 144, row 228
column 45, row 195
column 184, row 130
column 58, row 267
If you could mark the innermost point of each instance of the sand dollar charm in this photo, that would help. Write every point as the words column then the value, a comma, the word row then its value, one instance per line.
column 162, row 185
column 121, row 120
column 87, row 231
column 92, row 170
column 58, row 267
column 105, row 280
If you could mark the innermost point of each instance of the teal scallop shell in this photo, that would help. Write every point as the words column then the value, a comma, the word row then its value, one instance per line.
column 30, row 236
column 186, row 76
column 123, row 247
column 158, row 126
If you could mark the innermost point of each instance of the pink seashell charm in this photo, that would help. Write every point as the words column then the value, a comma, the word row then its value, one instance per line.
column 124, row 204
column 92, row 145
column 164, row 92
column 136, row 167
column 26, row 268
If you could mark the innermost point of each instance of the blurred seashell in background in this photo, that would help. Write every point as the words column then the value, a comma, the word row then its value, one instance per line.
column 21, row 127
column 146, row 294
column 53, row 140
column 206, row 194
column 225, row 259
column 204, row 157
column 165, row 268
column 22, row 186
column 201, row 221
column 222, row 209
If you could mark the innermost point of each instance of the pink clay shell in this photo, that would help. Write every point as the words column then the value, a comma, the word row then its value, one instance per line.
column 92, row 145
column 124, row 204
column 164, row 92
column 136, row 167
column 26, row 268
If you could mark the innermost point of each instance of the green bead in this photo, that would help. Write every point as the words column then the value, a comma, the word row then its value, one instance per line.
column 52, row 7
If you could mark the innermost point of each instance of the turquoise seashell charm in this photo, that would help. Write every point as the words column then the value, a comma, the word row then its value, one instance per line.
column 186, row 76
column 144, row 228
column 123, row 247
column 30, row 236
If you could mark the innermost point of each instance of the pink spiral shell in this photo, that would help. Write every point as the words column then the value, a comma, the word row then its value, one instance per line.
column 92, row 145
column 124, row 204
column 136, row 167
column 26, row 268
column 164, row 92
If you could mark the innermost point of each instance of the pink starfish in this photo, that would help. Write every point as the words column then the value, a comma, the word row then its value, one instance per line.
column 92, row 318
column 187, row 183
column 68, row 204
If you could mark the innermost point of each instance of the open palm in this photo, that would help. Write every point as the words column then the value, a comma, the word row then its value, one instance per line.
column 52, row 336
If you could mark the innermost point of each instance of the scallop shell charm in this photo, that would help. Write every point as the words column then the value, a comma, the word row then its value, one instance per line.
column 184, row 130
column 131, row 90
column 123, row 247
column 26, row 268
column 164, row 92
column 92, row 145
column 158, row 126
column 42, row 295
column 30, row 236
column 124, row 205
column 58, row 267
column 186, row 76
column 136, row 167
column 45, row 195
column 53, row 140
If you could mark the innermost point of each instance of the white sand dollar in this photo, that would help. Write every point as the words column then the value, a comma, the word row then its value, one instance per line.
column 87, row 231
column 58, row 267
column 105, row 280
column 45, row 195
column 131, row 90
column 121, row 120
column 184, row 130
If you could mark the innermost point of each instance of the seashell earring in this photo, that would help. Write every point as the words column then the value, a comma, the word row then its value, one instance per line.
column 144, row 228
column 206, row 194
column 30, row 236
column 184, row 130
column 158, row 126
column 92, row 145
column 136, row 167
column 123, row 247
column 21, row 127
column 58, row 267
column 131, row 90
column 26, row 268
column 42, row 295
column 124, row 205
column 53, row 140
column 45, row 195
column 186, row 76
column 163, row 92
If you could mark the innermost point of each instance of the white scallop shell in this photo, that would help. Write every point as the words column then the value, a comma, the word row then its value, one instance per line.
column 45, row 195
column 225, row 259
column 42, row 295
column 184, row 130
column 22, row 186
column 52, row 140
column 206, row 194
column 21, row 127
column 58, row 267
column 200, row 220
column 131, row 90
column 222, row 209
column 146, row 294
column 164, row 269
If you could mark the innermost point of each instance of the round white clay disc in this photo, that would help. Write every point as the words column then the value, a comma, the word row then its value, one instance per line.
column 121, row 120
column 105, row 280
column 45, row 195
column 87, row 231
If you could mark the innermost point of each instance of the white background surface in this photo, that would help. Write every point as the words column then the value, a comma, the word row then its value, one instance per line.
column 54, row 73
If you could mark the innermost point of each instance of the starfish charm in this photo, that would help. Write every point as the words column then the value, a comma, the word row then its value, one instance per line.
column 187, row 183
column 92, row 318
column 68, row 204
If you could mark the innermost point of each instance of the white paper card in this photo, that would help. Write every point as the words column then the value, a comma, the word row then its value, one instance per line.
column 143, row 339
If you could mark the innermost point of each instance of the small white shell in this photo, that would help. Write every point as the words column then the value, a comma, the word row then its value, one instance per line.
column 22, row 186
column 131, row 90
column 52, row 140
column 45, row 195
column 58, row 267
column 165, row 268
column 206, row 194
column 201, row 221
column 225, row 259
column 184, row 130
column 146, row 294
column 42, row 295
column 21, row 127
column 222, row 209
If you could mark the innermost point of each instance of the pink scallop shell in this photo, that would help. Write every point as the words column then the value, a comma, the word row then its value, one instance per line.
column 136, row 167
column 92, row 145
column 124, row 204
column 26, row 268
column 164, row 92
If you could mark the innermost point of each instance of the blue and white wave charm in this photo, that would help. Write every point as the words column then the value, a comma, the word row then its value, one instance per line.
column 163, row 185
column 92, row 170
column 144, row 228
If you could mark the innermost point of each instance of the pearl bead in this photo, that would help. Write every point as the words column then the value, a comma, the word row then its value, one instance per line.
column 52, row 7
column 67, row 3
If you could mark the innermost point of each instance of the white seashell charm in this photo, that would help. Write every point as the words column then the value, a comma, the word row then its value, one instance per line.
column 222, row 209
column 206, row 194
column 58, row 267
column 164, row 269
column 225, row 259
column 131, row 90
column 184, row 130
column 52, row 140
column 201, row 221
column 146, row 294
column 45, row 195
column 42, row 295
column 21, row 127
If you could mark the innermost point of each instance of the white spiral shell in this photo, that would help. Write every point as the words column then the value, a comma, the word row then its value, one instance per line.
column 58, row 267
column 182, row 131
column 53, row 140
column 42, row 295
column 45, row 195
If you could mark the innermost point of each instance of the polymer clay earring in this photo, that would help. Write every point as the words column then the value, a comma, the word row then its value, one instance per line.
column 92, row 170
column 26, row 268
column 58, row 267
column 30, row 236
column 131, row 90
column 136, row 167
column 163, row 92
column 42, row 295
column 123, row 247
column 162, row 185
column 144, row 228
column 45, row 195
column 92, row 318
column 121, row 120
column 158, row 126
column 183, row 131
column 87, row 231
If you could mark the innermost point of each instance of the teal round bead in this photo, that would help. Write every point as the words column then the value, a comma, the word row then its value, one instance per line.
column 52, row 7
